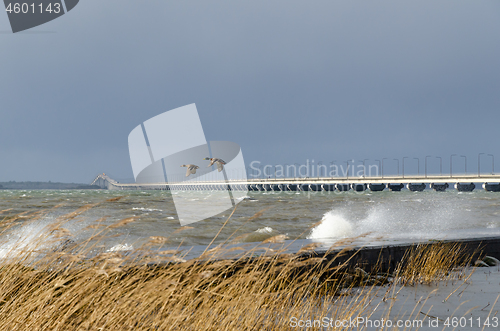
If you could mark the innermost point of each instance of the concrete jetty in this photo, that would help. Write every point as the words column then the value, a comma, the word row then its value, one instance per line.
column 368, row 256
column 385, row 258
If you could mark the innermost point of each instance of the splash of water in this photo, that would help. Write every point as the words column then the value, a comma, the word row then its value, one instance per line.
column 25, row 238
column 428, row 217
column 266, row 230
column 333, row 225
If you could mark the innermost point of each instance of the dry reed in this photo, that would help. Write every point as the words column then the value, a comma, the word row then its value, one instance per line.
column 427, row 263
column 70, row 288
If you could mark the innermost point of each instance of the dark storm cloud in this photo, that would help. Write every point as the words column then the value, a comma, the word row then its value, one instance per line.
column 287, row 80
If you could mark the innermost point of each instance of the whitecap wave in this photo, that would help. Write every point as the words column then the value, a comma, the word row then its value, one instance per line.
column 121, row 248
column 333, row 225
column 146, row 209
column 423, row 218
column 266, row 229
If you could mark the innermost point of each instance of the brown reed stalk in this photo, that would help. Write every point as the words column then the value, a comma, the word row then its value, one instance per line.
column 75, row 289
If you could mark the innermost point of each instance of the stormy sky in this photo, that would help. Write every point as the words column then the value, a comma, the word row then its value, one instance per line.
column 287, row 80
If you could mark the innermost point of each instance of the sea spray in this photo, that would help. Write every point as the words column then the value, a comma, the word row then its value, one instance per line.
column 333, row 225
column 429, row 216
column 32, row 236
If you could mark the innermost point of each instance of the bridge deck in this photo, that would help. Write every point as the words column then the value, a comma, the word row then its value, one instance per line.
column 106, row 182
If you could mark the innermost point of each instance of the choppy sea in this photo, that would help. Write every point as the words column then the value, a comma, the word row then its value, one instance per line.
column 310, row 216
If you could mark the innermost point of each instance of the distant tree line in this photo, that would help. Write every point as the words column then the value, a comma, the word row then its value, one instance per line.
column 12, row 185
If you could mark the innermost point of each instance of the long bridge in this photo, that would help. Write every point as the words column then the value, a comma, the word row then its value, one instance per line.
column 461, row 182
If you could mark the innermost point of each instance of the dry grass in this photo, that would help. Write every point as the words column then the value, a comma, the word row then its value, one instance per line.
column 74, row 289
column 429, row 263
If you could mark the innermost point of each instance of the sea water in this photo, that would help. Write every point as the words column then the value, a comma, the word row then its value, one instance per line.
column 322, row 217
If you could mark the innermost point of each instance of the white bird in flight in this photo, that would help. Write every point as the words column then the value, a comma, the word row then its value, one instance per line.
column 219, row 162
column 191, row 169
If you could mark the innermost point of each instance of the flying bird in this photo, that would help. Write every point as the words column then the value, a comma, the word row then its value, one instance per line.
column 219, row 162
column 191, row 169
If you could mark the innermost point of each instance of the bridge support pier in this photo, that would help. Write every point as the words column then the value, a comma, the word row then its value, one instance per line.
column 491, row 187
column 439, row 187
column 416, row 187
column 395, row 187
column 461, row 187
column 376, row 187
column 328, row 187
column 315, row 187
column 342, row 187
column 304, row 187
column 358, row 187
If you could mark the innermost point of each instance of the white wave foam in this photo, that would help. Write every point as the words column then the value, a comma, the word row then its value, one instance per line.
column 145, row 209
column 121, row 248
column 333, row 225
column 266, row 229
column 423, row 218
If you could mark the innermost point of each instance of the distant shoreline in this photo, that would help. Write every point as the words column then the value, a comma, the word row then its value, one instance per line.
column 13, row 185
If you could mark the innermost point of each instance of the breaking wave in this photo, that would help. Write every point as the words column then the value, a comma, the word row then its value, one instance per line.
column 424, row 218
